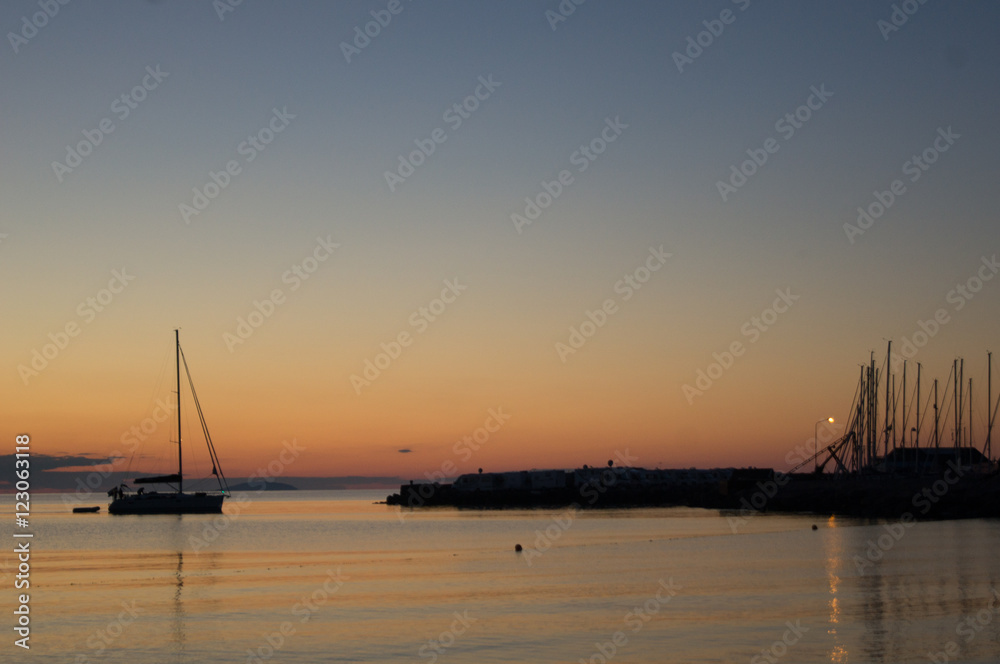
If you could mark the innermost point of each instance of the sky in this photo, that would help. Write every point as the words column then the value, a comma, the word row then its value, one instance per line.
column 413, row 236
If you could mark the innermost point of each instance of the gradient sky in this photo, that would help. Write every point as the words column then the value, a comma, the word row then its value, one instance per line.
column 495, row 345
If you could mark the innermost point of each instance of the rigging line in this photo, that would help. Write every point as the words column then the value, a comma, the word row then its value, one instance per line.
column 201, row 419
column 149, row 408
column 906, row 413
column 927, row 408
column 993, row 419
column 216, row 466
column 944, row 405
column 854, row 403
column 885, row 372
column 138, row 449
column 164, row 363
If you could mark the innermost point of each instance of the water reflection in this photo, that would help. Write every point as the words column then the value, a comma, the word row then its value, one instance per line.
column 203, row 573
column 178, row 637
column 178, row 631
column 898, row 603
column 834, row 561
column 910, row 587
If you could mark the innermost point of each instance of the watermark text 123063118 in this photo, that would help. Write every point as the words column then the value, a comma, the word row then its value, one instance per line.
column 22, row 542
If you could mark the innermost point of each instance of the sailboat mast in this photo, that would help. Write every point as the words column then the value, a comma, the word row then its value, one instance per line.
column 888, row 403
column 936, row 442
column 989, row 405
column 873, row 413
column 905, row 430
column 972, row 443
column 893, row 425
column 958, row 405
column 960, row 425
column 180, row 449
column 917, row 443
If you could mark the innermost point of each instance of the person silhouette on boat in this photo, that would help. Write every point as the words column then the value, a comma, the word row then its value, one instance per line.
column 118, row 492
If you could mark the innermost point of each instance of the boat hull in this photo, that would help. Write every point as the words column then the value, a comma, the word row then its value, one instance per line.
column 168, row 503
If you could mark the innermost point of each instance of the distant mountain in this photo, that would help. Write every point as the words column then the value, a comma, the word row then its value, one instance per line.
column 88, row 475
column 268, row 486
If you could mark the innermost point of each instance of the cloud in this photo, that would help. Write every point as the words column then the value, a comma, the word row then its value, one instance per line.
column 42, row 462
column 405, row 450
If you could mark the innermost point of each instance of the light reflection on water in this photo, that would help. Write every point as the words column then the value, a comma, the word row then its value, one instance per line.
column 213, row 589
column 834, row 562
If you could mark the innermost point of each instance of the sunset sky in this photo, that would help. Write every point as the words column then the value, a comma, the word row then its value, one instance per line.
column 120, row 120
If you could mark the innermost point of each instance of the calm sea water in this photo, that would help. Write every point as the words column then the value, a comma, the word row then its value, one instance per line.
column 333, row 577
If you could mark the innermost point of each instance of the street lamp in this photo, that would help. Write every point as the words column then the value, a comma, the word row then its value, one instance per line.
column 816, row 438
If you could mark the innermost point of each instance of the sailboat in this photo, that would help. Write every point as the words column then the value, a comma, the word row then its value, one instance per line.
column 125, row 501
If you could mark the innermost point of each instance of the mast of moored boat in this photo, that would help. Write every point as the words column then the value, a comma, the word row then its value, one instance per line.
column 893, row 425
column 989, row 405
column 959, row 410
column 888, row 396
column 972, row 442
column 873, row 376
column 961, row 402
column 917, row 443
column 905, row 420
column 936, row 442
column 180, row 452
column 956, row 441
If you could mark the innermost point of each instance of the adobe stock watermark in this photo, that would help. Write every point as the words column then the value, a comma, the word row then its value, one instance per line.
column 780, row 647
column 562, row 12
column 87, row 310
column 294, row 276
column 923, row 501
column 122, row 107
column 757, row 501
column 37, row 21
column 633, row 621
column 454, row 116
column 899, row 17
column 581, row 158
column 752, row 329
column 914, row 168
column 363, row 35
column 714, row 28
column 465, row 449
column 223, row 7
column 597, row 485
column 968, row 629
column 447, row 639
column 249, row 148
column 131, row 438
column 304, row 609
column 94, row 480
column 100, row 640
column 420, row 320
column 957, row 297
column 786, row 126
column 812, row 445
column 470, row 444
column 544, row 539
column 625, row 287
column 606, row 479
column 234, row 507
